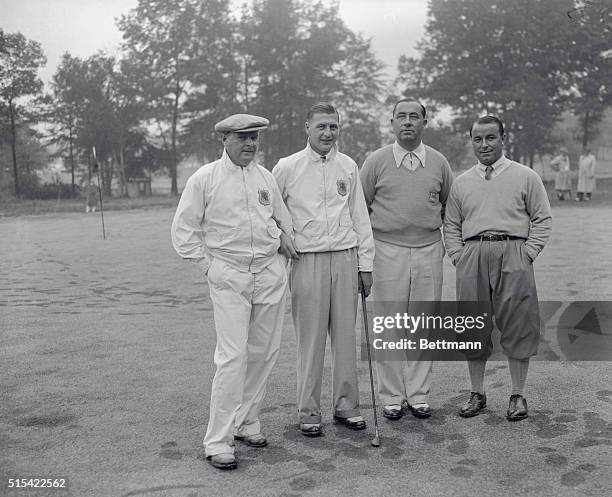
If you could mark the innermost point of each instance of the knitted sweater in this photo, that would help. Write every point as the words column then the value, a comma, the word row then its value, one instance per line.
column 406, row 207
column 514, row 203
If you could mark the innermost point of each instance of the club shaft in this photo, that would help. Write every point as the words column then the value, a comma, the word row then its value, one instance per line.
column 367, row 333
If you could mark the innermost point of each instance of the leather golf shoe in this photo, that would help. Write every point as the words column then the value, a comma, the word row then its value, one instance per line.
column 311, row 429
column 257, row 440
column 421, row 411
column 223, row 461
column 353, row 423
column 393, row 412
column 517, row 408
column 477, row 402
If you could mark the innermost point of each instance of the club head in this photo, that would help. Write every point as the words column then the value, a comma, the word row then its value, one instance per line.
column 375, row 441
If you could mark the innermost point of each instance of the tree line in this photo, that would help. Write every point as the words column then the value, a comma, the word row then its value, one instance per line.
column 186, row 64
column 526, row 61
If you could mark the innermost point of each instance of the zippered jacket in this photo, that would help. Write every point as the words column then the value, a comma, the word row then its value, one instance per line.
column 230, row 212
column 325, row 198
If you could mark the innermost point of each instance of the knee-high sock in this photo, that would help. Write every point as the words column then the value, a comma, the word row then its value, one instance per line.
column 477, row 371
column 518, row 374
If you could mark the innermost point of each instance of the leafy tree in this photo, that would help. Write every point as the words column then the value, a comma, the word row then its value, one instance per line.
column 359, row 100
column 452, row 143
column 164, row 46
column 65, row 107
column 493, row 57
column 20, row 60
column 32, row 157
column 297, row 53
column 589, row 56
column 94, row 104
column 214, row 82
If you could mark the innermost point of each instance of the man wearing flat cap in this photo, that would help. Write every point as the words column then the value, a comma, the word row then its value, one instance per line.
column 231, row 221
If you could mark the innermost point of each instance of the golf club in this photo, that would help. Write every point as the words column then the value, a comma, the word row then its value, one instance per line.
column 376, row 440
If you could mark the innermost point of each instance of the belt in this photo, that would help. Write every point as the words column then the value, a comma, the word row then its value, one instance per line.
column 486, row 237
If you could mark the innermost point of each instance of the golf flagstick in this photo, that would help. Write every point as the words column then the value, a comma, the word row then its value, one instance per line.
column 97, row 168
column 376, row 440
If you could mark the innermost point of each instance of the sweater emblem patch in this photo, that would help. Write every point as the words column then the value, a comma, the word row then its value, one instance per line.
column 342, row 187
column 264, row 196
column 433, row 197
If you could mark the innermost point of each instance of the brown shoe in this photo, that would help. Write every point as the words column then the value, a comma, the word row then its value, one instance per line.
column 517, row 408
column 477, row 402
column 223, row 461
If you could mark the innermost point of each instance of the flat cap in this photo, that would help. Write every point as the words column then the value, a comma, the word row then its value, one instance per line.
column 241, row 123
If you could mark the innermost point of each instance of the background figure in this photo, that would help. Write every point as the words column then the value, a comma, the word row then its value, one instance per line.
column 563, row 179
column 92, row 198
column 586, row 175
column 406, row 185
column 333, row 237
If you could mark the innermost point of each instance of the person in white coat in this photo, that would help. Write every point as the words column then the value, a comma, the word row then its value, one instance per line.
column 563, row 178
column 231, row 221
column 333, row 237
column 586, row 175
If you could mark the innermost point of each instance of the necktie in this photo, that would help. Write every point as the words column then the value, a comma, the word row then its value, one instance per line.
column 488, row 172
column 323, row 158
column 410, row 157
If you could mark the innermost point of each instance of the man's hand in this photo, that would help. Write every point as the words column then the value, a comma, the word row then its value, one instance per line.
column 365, row 282
column 286, row 247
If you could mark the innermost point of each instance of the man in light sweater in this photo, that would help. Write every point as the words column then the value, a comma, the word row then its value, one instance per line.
column 406, row 185
column 333, row 237
column 497, row 221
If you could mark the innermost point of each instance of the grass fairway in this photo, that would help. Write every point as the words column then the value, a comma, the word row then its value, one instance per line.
column 106, row 367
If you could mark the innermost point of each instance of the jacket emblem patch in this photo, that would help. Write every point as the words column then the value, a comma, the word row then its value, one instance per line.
column 264, row 196
column 342, row 187
column 433, row 197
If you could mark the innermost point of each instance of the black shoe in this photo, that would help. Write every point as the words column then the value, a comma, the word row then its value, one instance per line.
column 392, row 412
column 517, row 408
column 421, row 412
column 477, row 402
column 353, row 423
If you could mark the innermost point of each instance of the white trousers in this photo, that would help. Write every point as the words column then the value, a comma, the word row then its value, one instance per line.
column 248, row 311
column 402, row 275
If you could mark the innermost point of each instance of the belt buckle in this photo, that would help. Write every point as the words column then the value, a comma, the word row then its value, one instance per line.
column 494, row 237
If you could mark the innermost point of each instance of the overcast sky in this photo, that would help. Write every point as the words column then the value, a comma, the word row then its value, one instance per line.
column 82, row 27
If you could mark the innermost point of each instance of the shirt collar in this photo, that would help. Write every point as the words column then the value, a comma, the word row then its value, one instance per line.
column 226, row 160
column 316, row 157
column 400, row 152
column 496, row 165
